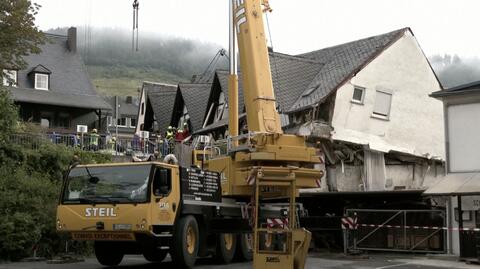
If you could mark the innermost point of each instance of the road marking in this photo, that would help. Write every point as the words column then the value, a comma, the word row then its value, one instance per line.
column 391, row 266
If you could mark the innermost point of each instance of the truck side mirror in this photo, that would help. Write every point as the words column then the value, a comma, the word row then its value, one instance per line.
column 161, row 182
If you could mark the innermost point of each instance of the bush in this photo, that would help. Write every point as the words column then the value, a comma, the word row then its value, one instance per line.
column 30, row 183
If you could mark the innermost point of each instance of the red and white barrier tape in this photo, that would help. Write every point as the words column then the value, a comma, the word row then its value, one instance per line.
column 277, row 222
column 418, row 227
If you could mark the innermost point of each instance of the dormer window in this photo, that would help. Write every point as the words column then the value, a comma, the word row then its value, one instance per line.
column 41, row 81
column 40, row 76
column 10, row 77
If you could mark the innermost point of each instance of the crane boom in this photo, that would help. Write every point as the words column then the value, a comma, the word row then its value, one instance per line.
column 262, row 115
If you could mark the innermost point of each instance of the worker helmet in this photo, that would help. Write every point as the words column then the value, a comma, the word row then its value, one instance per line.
column 94, row 131
column 170, row 128
column 184, row 124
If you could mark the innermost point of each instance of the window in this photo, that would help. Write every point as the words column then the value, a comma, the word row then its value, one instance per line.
column 41, row 81
column 63, row 120
column 184, row 118
column 143, row 108
column 358, row 95
column 220, row 107
column 284, row 119
column 122, row 122
column 45, row 122
column 109, row 120
column 383, row 101
column 133, row 123
column 10, row 78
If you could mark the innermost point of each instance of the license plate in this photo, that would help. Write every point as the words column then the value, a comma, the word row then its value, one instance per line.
column 103, row 236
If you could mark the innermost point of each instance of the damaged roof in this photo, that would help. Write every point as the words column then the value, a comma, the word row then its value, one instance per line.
column 195, row 97
column 340, row 63
column 291, row 75
column 161, row 97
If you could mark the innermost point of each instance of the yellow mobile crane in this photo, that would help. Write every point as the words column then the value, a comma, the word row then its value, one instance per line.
column 264, row 163
column 157, row 208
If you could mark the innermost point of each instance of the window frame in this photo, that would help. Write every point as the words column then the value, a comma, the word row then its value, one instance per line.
column 110, row 121
column 6, row 75
column 362, row 99
column 130, row 122
column 119, row 119
column 37, row 75
column 380, row 115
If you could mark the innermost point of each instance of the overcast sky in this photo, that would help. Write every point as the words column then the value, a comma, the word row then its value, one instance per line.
column 441, row 26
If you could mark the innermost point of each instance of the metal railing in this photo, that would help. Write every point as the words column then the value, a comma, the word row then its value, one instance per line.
column 397, row 230
column 100, row 142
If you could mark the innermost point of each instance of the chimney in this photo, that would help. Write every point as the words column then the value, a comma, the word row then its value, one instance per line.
column 72, row 39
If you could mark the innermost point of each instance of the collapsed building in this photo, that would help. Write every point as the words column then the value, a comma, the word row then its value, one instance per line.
column 366, row 105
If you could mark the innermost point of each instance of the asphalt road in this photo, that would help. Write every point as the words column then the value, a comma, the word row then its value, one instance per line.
column 314, row 262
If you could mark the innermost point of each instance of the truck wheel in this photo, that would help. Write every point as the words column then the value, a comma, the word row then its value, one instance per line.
column 185, row 243
column 226, row 246
column 154, row 255
column 244, row 247
column 107, row 254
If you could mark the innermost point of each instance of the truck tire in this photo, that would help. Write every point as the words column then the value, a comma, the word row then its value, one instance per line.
column 226, row 246
column 107, row 254
column 154, row 255
column 185, row 243
column 244, row 247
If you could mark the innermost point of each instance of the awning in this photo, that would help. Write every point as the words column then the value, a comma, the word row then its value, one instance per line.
column 456, row 184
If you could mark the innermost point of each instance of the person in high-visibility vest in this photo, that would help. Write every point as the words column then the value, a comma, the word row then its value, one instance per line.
column 94, row 137
column 170, row 134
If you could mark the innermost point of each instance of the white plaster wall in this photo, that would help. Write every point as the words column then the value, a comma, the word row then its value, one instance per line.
column 140, row 117
column 463, row 135
column 416, row 120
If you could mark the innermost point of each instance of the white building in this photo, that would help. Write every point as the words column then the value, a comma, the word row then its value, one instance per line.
column 460, row 190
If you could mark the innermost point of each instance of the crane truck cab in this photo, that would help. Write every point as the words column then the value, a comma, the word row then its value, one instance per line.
column 152, row 208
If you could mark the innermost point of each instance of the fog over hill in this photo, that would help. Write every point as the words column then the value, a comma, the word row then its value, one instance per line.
column 117, row 69
column 453, row 70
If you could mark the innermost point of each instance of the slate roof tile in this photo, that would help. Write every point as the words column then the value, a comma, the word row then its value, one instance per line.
column 195, row 97
column 69, row 83
column 162, row 98
column 340, row 63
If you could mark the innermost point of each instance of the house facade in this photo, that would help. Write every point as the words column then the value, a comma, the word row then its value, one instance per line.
column 155, row 107
column 366, row 101
column 386, row 131
column 459, row 192
column 54, row 90
column 122, row 119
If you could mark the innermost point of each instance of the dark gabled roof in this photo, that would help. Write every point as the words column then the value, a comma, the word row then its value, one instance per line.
column 291, row 76
column 161, row 97
column 340, row 63
column 472, row 87
column 40, row 69
column 58, row 99
column 195, row 97
column 69, row 83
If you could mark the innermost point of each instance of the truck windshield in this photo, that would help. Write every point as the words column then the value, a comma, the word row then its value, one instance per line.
column 107, row 184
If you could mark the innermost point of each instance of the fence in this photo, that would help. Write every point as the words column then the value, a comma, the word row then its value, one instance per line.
column 103, row 143
column 397, row 230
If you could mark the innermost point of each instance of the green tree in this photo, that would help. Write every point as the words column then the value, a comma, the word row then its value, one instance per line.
column 18, row 34
column 8, row 115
